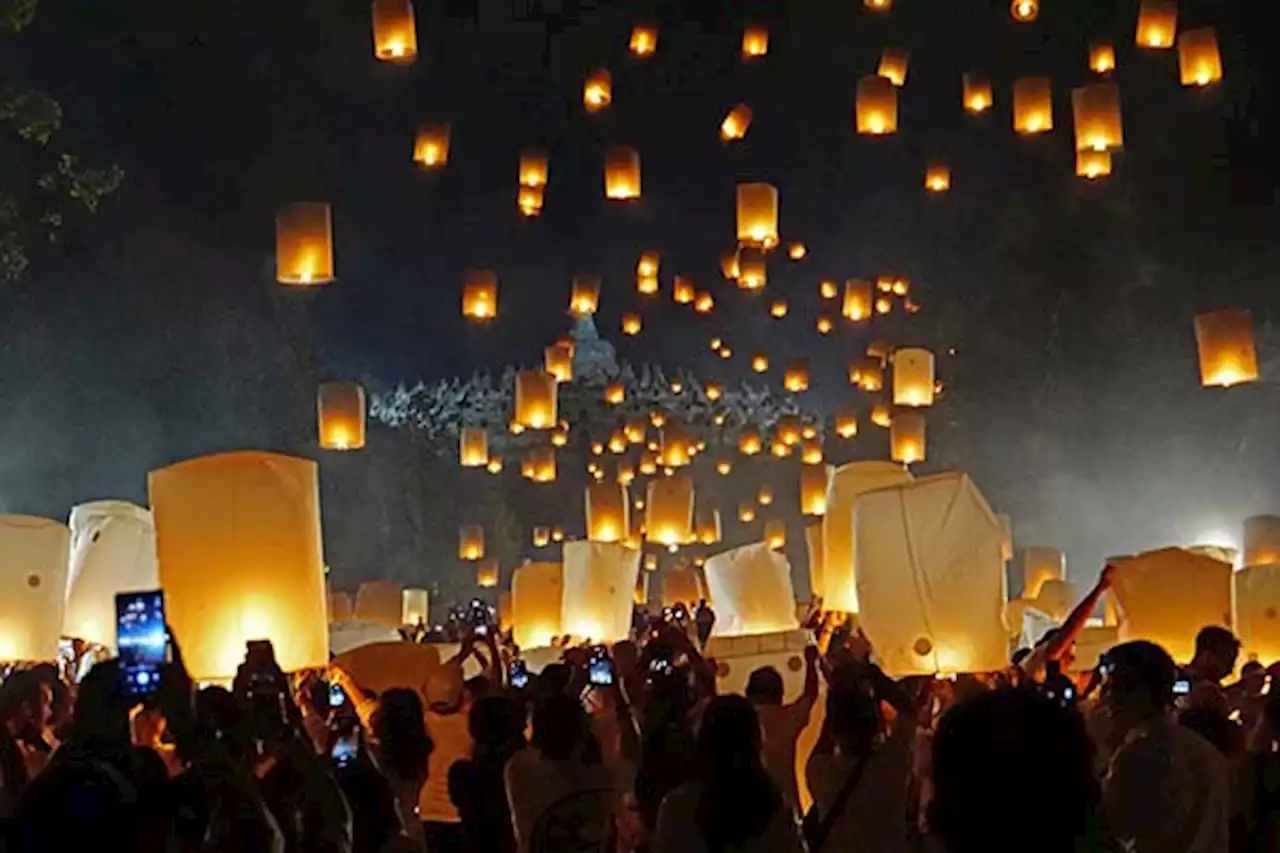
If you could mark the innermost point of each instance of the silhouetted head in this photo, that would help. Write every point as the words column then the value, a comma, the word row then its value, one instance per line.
column 764, row 687
column 1139, row 683
column 402, row 743
column 1216, row 652
column 559, row 727
column 497, row 727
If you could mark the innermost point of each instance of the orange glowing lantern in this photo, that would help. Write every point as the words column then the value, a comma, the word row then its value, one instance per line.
column 669, row 511
column 431, row 145
column 735, row 124
column 647, row 266
column 480, row 295
column 658, row 418
column 796, row 377
column 883, row 305
column 893, row 66
column 881, row 415
column 608, row 512
column 1032, row 105
column 471, row 542
column 541, row 537
column 529, row 200
column 814, row 479
column 759, row 362
column 775, row 533
column 1102, row 58
column 617, row 442
column 713, row 390
column 584, row 299
column 778, row 308
column 634, row 430
column 825, row 324
column 1157, row 23
column 395, row 35
column 876, row 109
column 534, row 167
column 797, row 251
column 676, row 446
column 631, row 324
column 729, row 266
column 704, row 302
column 682, row 291
column 906, row 437
column 644, row 40
column 810, row 451
column 757, row 208
column 788, row 429
column 978, row 97
column 487, row 574
column 304, row 243
column 913, row 377
column 857, row 299
column 622, row 174
column 473, row 447
column 539, row 465
column 749, row 442
column 1199, row 63
column 1224, row 340
column 937, row 178
column 1093, row 164
column 706, row 527
column 597, row 91
column 878, row 5
column 846, row 423
column 752, row 272
column 646, row 285
column 755, row 42
column 558, row 361
column 724, row 467
column 828, row 289
column 495, row 465
column 1024, row 11
column 560, row 435
column 340, row 409
column 871, row 376
column 1095, row 110
column 535, row 399
column 746, row 512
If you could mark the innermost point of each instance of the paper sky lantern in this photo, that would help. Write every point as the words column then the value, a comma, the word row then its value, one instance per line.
column 488, row 574
column 634, row 430
column 778, row 308
column 735, row 124
column 780, row 449
column 752, row 591
column 494, row 465
column 395, row 35
column 584, row 299
column 746, row 512
column 827, row 289
column 764, row 496
column 796, row 377
column 870, row 375
column 533, row 168
column 539, row 465
column 657, row 417
column 648, row 464
column 1224, row 340
column 558, row 361
column 541, row 536
column 622, row 173
column 846, row 422
column 1157, row 23
column 529, row 200
column 480, row 295
column 1261, row 541
column 814, row 482
column 1032, row 105
column 1256, row 620
column 749, row 442
column 608, row 512
column 723, row 466
column 893, row 66
column 759, row 362
column 537, row 595
column 1040, row 565
column 1102, row 58
column 471, row 542
column 599, row 586
column 797, row 251
column 755, row 42
column 752, row 272
column 33, row 580
column 535, row 399
column 713, row 390
column 811, row 451
column 682, row 291
column 1024, row 11
column 838, row 541
column 631, row 324
column 560, row 435
column 414, row 606
column 1199, row 63
column 644, row 40
column 380, row 602
column 907, row 437
column 617, row 442
column 876, row 110
column 704, row 302
column 977, row 93
column 729, row 266
column 757, row 209
column 788, row 429
column 707, row 526
column 431, row 145
column 646, row 285
column 1093, row 164
column 878, row 5
column 557, row 533
column 1095, row 109
column 597, row 91
column 113, row 550
column 881, row 415
column 937, row 178
column 473, row 447
column 340, row 409
column 775, row 534
column 857, row 299
column 669, row 510
column 239, row 546
column 304, row 243
column 676, row 446
column 1167, row 596
column 913, row 377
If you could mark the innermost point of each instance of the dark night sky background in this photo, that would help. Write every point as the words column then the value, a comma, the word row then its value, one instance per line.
column 157, row 332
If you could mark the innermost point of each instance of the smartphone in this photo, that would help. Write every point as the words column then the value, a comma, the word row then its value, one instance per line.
column 337, row 696
column 600, row 668
column 344, row 750
column 142, row 640
column 518, row 674
column 1181, row 687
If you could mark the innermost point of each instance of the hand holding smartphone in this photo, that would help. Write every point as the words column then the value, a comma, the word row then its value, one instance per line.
column 142, row 640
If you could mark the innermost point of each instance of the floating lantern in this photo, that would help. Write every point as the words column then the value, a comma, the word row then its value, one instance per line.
column 113, row 550
column 778, row 308
column 415, row 606
column 597, row 91
column 706, row 528
column 759, row 363
column 1102, row 58
column 883, row 305
column 1157, row 23
column 729, row 266
column 676, row 446
column 1224, row 340
column 884, row 283
column 238, row 541
column 893, row 66
column 796, row 377
column 775, row 533
column 755, row 42
column 473, row 447
column 1040, row 565
column 647, row 266
column 431, row 145
column 557, row 533
column 539, row 465
column 764, row 496
column 480, row 295
column 797, row 251
column 647, row 285
column 541, row 537
column 535, row 399
column 487, row 574
column 533, row 168
column 876, row 110
column 723, row 467
column 395, row 35
column 749, row 442
column 682, row 291
column 560, row 435
column 617, row 442
column 1032, row 105
column 825, row 324
column 340, row 414
column 757, row 209
column 597, row 449
column 857, row 299
column 788, row 429
column 537, row 601
column 1024, row 11
column 906, row 437
column 808, row 432
column 1261, row 541
column 494, row 465
column 735, row 124
column 471, row 542
column 648, row 464
column 780, row 449
column 626, row 474
column 752, row 272
column 644, row 40
column 881, row 415
column 870, row 375
column 900, row 287
column 669, row 511
column 1093, row 164
column 584, row 299
column 880, row 351
column 634, row 430
column 608, row 512
column 529, row 200
column 715, row 344
column 304, row 243
column 658, row 418
column 34, row 559
column 828, row 289
column 814, row 480
column 746, row 512
column 978, row 97
column 810, row 451
column 937, row 178
column 704, row 302
column 622, row 173
column 1254, row 621
column 1096, row 112
column 1199, row 63
column 878, row 5
column 713, row 390
column 631, row 324
column 846, row 423
column 913, row 377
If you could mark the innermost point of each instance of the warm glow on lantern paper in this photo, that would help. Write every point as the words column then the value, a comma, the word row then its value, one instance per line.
column 937, row 178
column 757, row 208
column 813, row 547
column 471, row 542
column 597, row 91
column 787, row 429
column 239, row 546
column 1224, row 340
column 340, row 410
column 1102, row 58
column 913, row 377
column 34, row 555
column 669, row 511
column 304, row 243
column 647, row 266
column 1167, row 596
column 876, row 110
column 488, row 573
column 395, row 35
column 608, row 512
column 1093, row 164
column 622, row 173
column 533, row 168
column 539, row 465
column 1261, row 541
column 857, row 299
column 558, row 361
column 473, row 447
column 893, row 66
column 113, row 550
column 907, row 438
column 930, row 577
column 755, row 42
column 584, row 299
column 529, row 200
column 846, row 422
column 1257, row 617
column 415, row 606
column 431, row 146
column 1040, row 565
column 707, row 526
column 1095, row 110
column 751, row 590
column 537, row 593
column 815, row 479
column 881, row 415
column 599, row 584
column 1024, row 11
column 340, row 606
column 1157, row 23
column 977, row 93
column 752, row 272
column 644, row 40
column 683, row 585
column 682, row 291
column 749, row 442
column 480, row 295
column 796, row 377
column 380, row 602
column 735, row 124
column 1199, row 62
column 847, row 482
column 1032, row 105
column 535, row 399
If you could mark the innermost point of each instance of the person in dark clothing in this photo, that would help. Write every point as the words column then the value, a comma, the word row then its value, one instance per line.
column 477, row 785
column 705, row 620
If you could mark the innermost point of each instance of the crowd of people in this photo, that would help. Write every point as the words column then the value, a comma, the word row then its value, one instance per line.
column 632, row 749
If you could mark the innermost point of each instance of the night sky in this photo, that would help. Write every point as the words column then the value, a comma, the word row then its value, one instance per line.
column 156, row 331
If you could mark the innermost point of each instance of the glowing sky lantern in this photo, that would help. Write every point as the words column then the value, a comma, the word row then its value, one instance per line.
column 537, row 599
column 729, row 266
column 473, row 447
column 778, row 308
column 644, row 40
column 876, row 108
column 1224, row 340
column 757, row 209
column 828, row 289
column 881, row 415
column 647, row 285
column 470, row 542
column 480, row 295
column 541, row 536
column 529, row 200
column 558, row 361
column 535, row 399
column 631, row 324
column 749, row 442
column 1102, row 58
column 682, row 291
column 746, row 512
column 431, row 145
column 755, row 42
column 857, row 299
column 340, row 410
column 724, row 467
column 304, row 243
column 1199, row 62
column 706, row 526
column 1024, row 11
column 713, row 390
column 1261, row 541
column 893, row 65
column 907, row 437
column 735, row 123
column 752, row 270
column 913, row 377
column 534, row 166
column 846, row 422
column 584, row 298
column 1032, row 105
column 937, row 178
column 34, row 559
column 825, row 324
column 608, row 512
column 814, row 481
column 494, row 466
column 622, row 173
column 1095, row 110
column 415, row 606
column 704, row 302
column 1093, row 164
column 669, row 510
column 878, row 5
column 775, row 533
column 796, row 377
column 395, row 33
column 797, row 251
column 597, row 91
column 647, row 266
column 488, row 573
column 1157, row 23
column 977, row 94
column 759, row 362
column 539, row 465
